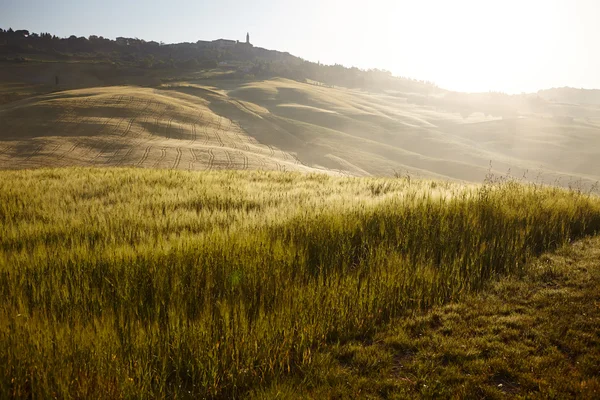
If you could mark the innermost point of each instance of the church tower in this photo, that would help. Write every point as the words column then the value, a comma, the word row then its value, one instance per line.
column 248, row 38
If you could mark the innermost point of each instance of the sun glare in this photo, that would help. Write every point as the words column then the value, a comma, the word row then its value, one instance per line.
column 464, row 45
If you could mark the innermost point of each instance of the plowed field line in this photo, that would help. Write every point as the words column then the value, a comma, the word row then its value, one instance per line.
column 229, row 160
column 126, row 155
column 206, row 137
column 38, row 148
column 245, row 160
column 70, row 150
column 101, row 151
column 129, row 126
column 103, row 126
column 211, row 160
column 115, row 130
column 163, row 154
column 144, row 156
column 4, row 150
column 54, row 149
column 177, row 158
column 219, row 139
column 167, row 132
column 193, row 160
column 194, row 134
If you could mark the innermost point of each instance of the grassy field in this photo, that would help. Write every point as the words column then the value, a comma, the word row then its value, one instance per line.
column 202, row 123
column 131, row 126
column 535, row 335
column 133, row 283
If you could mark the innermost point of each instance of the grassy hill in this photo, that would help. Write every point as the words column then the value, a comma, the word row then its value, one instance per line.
column 122, row 283
column 199, row 122
column 131, row 126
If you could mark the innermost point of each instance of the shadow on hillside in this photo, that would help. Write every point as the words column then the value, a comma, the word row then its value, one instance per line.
column 266, row 129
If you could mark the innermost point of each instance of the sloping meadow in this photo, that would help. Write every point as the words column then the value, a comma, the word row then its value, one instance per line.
column 142, row 283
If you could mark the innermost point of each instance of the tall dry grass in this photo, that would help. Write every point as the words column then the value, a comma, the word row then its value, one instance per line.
column 138, row 283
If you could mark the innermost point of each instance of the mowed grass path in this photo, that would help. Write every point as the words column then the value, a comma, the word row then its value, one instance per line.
column 128, row 283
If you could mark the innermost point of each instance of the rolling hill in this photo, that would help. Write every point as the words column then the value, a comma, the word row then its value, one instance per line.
column 98, row 102
column 280, row 124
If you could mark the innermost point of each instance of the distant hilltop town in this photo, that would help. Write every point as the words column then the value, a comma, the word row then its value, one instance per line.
column 218, row 44
column 226, row 42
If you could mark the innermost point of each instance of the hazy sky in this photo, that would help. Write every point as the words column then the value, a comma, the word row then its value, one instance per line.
column 473, row 45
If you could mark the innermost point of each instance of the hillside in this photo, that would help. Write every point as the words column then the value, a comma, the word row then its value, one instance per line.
column 142, row 127
column 92, row 102
column 282, row 124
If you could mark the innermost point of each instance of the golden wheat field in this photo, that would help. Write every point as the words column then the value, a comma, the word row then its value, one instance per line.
column 280, row 124
column 130, row 126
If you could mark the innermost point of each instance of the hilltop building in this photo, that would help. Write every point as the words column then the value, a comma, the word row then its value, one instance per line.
column 226, row 43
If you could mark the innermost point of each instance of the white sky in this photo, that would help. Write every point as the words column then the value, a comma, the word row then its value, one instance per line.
column 470, row 45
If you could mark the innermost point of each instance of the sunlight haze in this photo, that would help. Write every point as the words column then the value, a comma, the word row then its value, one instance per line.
column 315, row 199
column 468, row 45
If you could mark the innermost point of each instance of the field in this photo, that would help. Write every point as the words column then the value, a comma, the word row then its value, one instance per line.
column 127, row 126
column 200, row 122
column 141, row 283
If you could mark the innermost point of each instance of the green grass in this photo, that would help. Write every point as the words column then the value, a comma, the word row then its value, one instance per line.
column 535, row 335
column 124, row 283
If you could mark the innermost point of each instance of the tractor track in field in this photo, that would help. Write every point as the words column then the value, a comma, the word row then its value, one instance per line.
column 112, row 157
column 211, row 160
column 194, row 159
column 116, row 128
column 129, row 125
column 125, row 156
column 158, row 119
column 206, row 137
column 62, row 119
column 168, row 130
column 4, row 150
column 103, row 126
column 163, row 155
column 108, row 143
column 262, row 163
column 296, row 160
column 286, row 157
column 242, row 137
column 69, row 150
column 229, row 160
column 281, row 167
column 219, row 139
column 181, row 132
column 101, row 151
column 54, row 150
column 195, row 125
column 144, row 156
column 194, row 134
column 245, row 163
column 177, row 158
column 35, row 152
